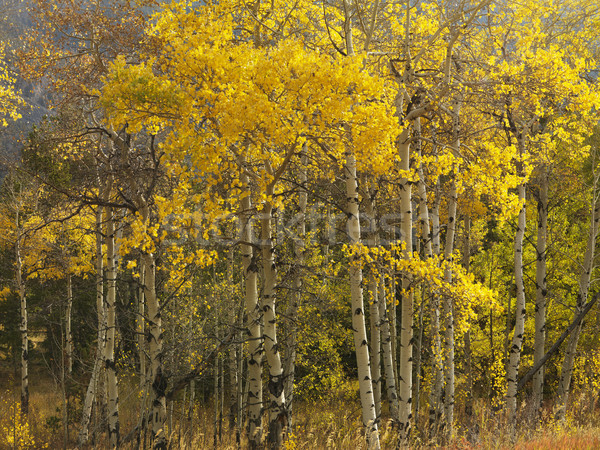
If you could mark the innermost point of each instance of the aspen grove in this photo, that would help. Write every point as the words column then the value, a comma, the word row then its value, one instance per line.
column 311, row 224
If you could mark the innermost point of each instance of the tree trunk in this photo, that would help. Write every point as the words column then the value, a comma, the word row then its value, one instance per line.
column 375, row 343
column 369, row 416
column 141, row 324
column 406, row 331
column 109, row 356
column 374, row 319
column 277, row 406
column 68, row 331
column 388, row 360
column 92, row 389
column 24, row 340
column 156, row 375
column 517, row 341
column 541, row 289
column 23, row 326
column 436, row 403
column 448, row 311
column 255, row 345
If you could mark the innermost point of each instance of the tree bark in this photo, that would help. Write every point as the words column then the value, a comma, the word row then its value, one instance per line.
column 277, row 406
column 448, row 311
column 92, row 389
column 365, row 383
column 436, row 403
column 155, row 344
column 109, row 356
column 255, row 344
column 23, row 328
column 68, row 331
column 388, row 360
column 375, row 343
column 406, row 329
column 517, row 340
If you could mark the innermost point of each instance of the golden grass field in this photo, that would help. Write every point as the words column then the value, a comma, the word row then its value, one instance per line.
column 333, row 424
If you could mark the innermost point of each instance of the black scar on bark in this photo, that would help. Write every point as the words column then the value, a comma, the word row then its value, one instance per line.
column 276, row 387
column 160, row 384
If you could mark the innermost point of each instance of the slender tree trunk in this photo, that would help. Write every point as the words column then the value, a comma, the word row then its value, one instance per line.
column 388, row 360
column 406, row 331
column 517, row 341
column 375, row 343
column 448, row 311
column 374, row 319
column 141, row 324
column 369, row 416
column 541, row 289
column 566, row 372
column 92, row 390
column 428, row 251
column 435, row 404
column 277, row 406
column 156, row 377
column 23, row 325
column 255, row 344
column 68, row 331
column 109, row 357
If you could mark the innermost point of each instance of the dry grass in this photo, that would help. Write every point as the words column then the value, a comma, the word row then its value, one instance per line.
column 333, row 424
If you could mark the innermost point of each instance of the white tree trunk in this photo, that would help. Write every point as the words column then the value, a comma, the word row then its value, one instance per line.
column 109, row 356
column 512, row 372
column 23, row 325
column 369, row 416
column 406, row 331
column 375, row 343
column 541, row 289
column 92, row 389
column 68, row 331
column 388, row 360
column 374, row 319
column 448, row 311
column 277, row 409
column 436, row 403
column 448, row 307
column 255, row 345
column 155, row 342
column 141, row 324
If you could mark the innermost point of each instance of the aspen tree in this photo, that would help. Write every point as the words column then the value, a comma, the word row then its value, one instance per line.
column 23, row 328
column 109, row 348
column 93, row 385
column 255, row 345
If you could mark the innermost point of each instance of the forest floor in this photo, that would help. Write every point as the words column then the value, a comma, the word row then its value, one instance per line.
column 331, row 424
